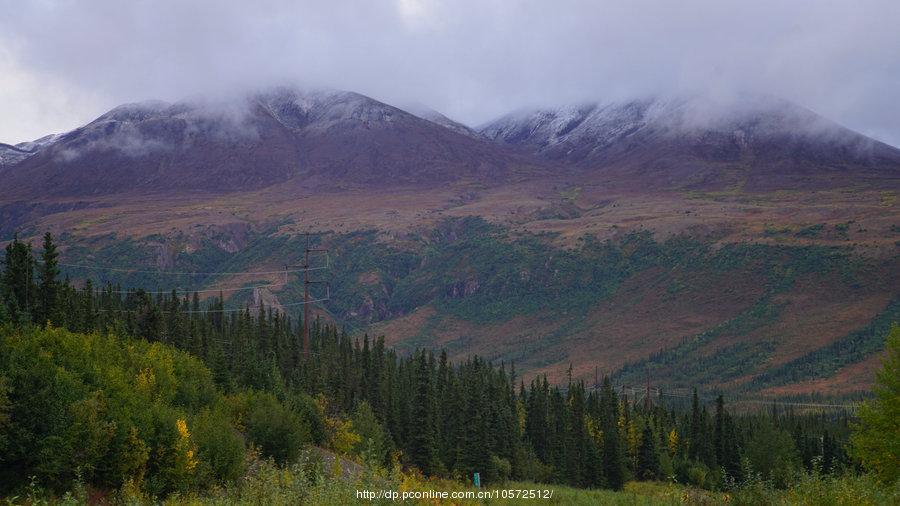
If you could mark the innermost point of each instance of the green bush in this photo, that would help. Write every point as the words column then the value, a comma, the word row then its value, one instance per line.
column 500, row 470
column 305, row 406
column 221, row 446
column 275, row 429
column 373, row 445
column 771, row 453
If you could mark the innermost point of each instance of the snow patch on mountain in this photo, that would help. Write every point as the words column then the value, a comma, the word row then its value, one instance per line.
column 589, row 128
column 429, row 114
column 11, row 155
column 322, row 108
column 39, row 144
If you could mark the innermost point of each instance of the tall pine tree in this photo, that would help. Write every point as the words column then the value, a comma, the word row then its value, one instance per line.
column 48, row 285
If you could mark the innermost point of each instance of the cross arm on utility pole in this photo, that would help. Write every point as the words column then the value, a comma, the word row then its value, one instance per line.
column 306, row 283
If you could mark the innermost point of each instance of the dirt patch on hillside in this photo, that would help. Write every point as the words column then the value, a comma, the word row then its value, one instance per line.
column 404, row 327
column 858, row 377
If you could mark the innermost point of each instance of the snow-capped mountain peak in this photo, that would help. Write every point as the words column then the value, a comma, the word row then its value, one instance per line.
column 584, row 132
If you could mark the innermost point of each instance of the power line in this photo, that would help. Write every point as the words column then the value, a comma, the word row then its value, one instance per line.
column 189, row 290
column 231, row 289
column 800, row 404
column 202, row 311
column 633, row 391
column 185, row 273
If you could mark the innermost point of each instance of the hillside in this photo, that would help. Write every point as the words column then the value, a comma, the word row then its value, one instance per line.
column 639, row 235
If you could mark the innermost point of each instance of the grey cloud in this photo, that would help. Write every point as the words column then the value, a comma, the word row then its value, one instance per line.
column 471, row 59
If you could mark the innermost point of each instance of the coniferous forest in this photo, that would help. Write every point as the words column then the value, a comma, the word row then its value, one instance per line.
column 109, row 388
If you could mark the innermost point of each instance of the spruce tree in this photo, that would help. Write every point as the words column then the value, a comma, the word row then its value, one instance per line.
column 719, row 444
column 48, row 273
column 18, row 280
column 648, row 459
column 422, row 442
column 613, row 469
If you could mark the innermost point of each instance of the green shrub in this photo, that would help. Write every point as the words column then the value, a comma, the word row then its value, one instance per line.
column 771, row 453
column 373, row 445
column 276, row 430
column 220, row 446
column 500, row 470
column 698, row 475
column 305, row 406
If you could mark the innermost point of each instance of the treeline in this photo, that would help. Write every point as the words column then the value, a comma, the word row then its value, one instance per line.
column 421, row 410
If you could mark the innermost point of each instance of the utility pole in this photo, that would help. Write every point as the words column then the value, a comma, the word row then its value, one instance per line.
column 647, row 398
column 306, row 283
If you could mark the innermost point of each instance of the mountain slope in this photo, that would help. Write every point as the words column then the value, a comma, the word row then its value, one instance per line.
column 697, row 141
column 11, row 155
column 433, row 116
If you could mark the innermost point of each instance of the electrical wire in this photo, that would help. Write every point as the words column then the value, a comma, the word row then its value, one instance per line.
column 184, row 273
column 203, row 311
column 185, row 290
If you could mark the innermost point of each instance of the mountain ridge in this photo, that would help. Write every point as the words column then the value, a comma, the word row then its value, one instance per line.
column 267, row 138
column 322, row 137
column 763, row 137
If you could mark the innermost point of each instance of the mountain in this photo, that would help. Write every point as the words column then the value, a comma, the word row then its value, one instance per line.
column 314, row 139
column 38, row 144
column 310, row 138
column 761, row 141
column 433, row 116
column 11, row 155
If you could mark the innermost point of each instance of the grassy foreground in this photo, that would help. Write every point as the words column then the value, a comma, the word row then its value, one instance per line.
column 309, row 481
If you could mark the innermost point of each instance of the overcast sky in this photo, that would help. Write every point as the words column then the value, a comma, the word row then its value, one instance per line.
column 62, row 63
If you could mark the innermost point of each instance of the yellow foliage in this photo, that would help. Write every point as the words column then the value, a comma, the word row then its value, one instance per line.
column 184, row 446
column 520, row 415
column 673, row 441
column 322, row 403
column 182, row 427
column 145, row 380
column 594, row 431
column 343, row 439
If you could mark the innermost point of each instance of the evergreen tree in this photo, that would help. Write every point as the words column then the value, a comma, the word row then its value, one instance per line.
column 696, row 433
column 719, row 443
column 422, row 442
column 648, row 458
column 48, row 273
column 613, row 471
column 18, row 280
